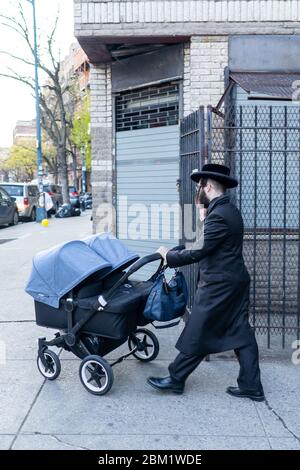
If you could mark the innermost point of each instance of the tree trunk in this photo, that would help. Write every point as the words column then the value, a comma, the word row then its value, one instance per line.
column 75, row 170
column 63, row 173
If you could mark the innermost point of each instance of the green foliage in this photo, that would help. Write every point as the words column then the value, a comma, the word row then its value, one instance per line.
column 21, row 163
column 80, row 133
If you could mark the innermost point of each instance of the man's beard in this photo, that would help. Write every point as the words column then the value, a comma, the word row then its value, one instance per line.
column 203, row 199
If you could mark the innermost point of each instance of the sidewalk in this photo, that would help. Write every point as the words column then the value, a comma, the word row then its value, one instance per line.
column 36, row 414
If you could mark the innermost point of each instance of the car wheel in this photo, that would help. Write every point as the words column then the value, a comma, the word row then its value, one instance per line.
column 15, row 219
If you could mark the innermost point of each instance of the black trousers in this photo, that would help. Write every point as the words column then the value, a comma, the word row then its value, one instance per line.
column 249, row 376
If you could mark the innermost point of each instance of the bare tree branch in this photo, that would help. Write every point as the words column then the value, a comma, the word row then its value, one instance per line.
column 18, row 78
column 57, row 99
column 22, row 30
column 50, row 43
column 21, row 59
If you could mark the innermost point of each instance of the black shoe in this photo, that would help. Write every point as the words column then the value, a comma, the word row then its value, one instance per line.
column 166, row 383
column 236, row 392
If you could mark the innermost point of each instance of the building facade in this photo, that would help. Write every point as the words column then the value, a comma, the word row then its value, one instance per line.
column 74, row 73
column 24, row 131
column 154, row 62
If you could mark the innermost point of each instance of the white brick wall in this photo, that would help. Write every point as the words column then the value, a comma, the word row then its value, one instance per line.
column 204, row 63
column 161, row 11
column 101, row 133
column 101, row 107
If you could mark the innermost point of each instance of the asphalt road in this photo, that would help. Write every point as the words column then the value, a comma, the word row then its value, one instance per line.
column 36, row 414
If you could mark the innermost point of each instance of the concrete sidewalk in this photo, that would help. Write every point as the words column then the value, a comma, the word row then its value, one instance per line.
column 36, row 414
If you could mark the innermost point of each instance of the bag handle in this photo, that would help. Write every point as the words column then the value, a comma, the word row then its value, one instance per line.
column 135, row 267
column 169, row 325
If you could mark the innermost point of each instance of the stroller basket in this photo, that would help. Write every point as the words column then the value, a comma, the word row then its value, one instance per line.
column 117, row 320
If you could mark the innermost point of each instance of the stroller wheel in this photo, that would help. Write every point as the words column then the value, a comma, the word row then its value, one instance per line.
column 147, row 345
column 96, row 375
column 49, row 364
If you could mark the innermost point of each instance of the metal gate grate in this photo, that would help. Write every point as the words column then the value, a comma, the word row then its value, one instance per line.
column 149, row 107
column 261, row 144
column 192, row 152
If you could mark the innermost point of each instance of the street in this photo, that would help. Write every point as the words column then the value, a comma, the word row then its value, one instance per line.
column 36, row 414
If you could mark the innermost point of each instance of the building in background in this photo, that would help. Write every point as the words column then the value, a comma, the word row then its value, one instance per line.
column 81, row 67
column 76, row 65
column 75, row 71
column 24, row 131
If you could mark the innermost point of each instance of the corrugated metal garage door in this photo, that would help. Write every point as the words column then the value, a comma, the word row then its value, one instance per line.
column 147, row 168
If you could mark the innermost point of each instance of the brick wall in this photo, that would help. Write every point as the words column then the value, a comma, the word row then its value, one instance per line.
column 101, row 133
column 96, row 17
column 205, row 58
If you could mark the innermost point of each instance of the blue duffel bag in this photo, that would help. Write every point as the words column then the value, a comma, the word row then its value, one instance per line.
column 167, row 300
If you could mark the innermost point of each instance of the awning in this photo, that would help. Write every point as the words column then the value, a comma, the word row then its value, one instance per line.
column 274, row 85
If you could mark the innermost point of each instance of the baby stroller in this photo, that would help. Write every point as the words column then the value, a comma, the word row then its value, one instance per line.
column 81, row 288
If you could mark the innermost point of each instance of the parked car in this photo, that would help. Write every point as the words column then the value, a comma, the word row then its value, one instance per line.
column 26, row 196
column 74, row 197
column 8, row 209
column 86, row 200
column 55, row 191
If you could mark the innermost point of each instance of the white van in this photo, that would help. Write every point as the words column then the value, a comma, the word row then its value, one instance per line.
column 26, row 196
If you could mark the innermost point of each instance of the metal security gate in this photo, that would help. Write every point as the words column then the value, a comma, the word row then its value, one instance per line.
column 192, row 155
column 147, row 168
column 261, row 144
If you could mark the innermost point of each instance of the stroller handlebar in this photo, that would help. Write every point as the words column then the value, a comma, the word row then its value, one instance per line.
column 135, row 267
column 143, row 261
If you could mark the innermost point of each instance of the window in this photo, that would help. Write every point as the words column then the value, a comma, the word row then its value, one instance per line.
column 32, row 191
column 4, row 195
column 148, row 107
column 14, row 190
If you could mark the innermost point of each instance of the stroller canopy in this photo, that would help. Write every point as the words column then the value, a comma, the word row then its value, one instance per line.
column 58, row 270
column 112, row 250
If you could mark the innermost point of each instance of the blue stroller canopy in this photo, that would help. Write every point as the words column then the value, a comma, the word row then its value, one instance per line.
column 58, row 270
column 112, row 249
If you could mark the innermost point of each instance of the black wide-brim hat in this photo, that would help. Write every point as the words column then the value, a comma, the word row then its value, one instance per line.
column 220, row 173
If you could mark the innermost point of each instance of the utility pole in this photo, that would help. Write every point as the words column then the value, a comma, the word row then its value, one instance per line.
column 41, row 212
column 83, row 170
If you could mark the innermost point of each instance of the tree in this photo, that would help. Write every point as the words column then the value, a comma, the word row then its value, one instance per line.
column 21, row 162
column 80, row 132
column 53, row 96
column 50, row 158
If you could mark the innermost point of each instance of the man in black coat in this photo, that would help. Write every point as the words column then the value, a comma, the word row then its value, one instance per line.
column 219, row 318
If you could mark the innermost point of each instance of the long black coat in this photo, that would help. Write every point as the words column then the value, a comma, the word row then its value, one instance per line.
column 219, row 317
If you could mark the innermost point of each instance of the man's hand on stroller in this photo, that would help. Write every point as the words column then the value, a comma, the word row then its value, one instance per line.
column 162, row 250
